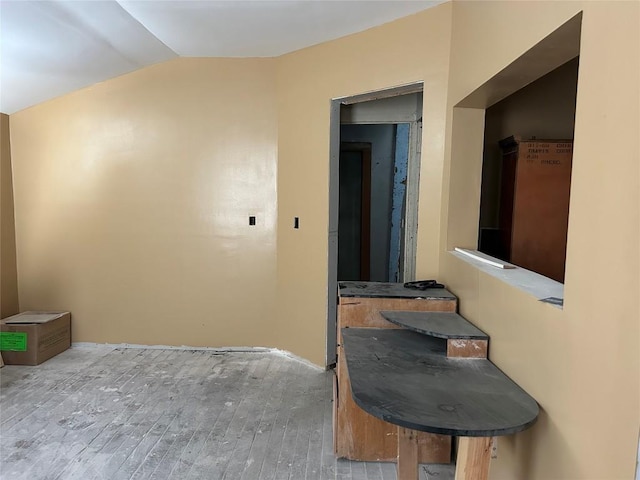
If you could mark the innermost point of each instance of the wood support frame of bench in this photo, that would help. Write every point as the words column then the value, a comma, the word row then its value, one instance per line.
column 474, row 453
column 472, row 462
column 467, row 348
column 474, row 458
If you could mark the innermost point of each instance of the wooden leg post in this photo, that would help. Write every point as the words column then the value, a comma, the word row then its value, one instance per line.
column 407, row 454
column 474, row 457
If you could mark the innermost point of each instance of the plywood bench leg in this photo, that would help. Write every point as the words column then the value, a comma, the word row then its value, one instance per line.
column 407, row 454
column 474, row 457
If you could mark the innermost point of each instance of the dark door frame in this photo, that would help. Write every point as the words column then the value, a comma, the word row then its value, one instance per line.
column 365, row 213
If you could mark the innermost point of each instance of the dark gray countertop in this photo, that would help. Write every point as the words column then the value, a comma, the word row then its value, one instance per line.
column 436, row 324
column 390, row 290
column 405, row 378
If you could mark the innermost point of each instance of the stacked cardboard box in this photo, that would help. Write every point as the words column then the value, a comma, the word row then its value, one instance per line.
column 31, row 338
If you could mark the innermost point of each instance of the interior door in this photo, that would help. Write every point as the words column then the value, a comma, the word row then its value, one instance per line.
column 354, row 212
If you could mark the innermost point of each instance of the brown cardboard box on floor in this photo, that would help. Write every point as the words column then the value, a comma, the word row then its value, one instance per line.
column 31, row 338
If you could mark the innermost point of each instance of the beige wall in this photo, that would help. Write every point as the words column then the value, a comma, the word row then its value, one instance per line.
column 8, row 273
column 412, row 49
column 580, row 363
column 132, row 204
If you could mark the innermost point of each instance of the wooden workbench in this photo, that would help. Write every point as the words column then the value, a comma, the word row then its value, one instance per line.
column 357, row 434
column 405, row 378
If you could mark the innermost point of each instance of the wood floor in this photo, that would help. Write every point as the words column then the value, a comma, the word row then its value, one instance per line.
column 97, row 412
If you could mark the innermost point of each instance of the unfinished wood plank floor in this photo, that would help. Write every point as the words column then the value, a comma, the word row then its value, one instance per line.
column 98, row 412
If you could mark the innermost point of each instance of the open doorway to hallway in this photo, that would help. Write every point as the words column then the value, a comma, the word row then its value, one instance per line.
column 372, row 197
column 373, row 191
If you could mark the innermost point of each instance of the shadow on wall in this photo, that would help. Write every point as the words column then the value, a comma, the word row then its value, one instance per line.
column 9, row 279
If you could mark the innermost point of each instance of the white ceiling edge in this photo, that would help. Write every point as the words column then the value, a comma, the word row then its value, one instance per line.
column 51, row 48
column 262, row 28
column 48, row 49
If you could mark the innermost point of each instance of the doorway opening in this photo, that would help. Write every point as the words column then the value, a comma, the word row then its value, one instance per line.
column 354, row 219
column 372, row 196
column 373, row 191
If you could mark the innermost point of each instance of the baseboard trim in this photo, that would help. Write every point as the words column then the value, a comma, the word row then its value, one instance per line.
column 275, row 351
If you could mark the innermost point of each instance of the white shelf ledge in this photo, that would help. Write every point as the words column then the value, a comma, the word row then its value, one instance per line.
column 484, row 258
column 530, row 282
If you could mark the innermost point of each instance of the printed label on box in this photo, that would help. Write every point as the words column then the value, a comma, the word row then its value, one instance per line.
column 13, row 341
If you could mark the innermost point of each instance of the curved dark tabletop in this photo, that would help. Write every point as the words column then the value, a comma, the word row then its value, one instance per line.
column 436, row 324
column 405, row 378
column 391, row 290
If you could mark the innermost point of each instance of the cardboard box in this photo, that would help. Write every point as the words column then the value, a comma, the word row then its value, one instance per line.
column 31, row 338
column 534, row 204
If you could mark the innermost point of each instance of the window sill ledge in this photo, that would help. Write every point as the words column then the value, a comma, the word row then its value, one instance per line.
column 530, row 282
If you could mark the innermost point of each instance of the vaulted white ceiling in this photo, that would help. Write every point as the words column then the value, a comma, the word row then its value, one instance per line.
column 49, row 48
